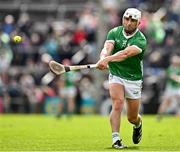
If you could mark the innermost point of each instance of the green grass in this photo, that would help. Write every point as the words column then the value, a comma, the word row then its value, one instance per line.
column 83, row 133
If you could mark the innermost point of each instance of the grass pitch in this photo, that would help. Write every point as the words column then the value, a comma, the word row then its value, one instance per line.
column 83, row 133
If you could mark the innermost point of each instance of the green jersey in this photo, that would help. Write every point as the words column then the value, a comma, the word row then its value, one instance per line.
column 131, row 68
column 170, row 71
column 69, row 78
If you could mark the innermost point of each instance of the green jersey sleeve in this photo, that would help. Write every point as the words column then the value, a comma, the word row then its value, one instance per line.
column 140, row 42
column 111, row 35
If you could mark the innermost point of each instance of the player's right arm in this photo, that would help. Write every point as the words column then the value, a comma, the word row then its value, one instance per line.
column 107, row 49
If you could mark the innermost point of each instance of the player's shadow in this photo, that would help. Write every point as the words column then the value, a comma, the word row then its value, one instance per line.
column 128, row 148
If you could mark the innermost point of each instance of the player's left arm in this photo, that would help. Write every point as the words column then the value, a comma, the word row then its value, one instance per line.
column 134, row 49
column 124, row 54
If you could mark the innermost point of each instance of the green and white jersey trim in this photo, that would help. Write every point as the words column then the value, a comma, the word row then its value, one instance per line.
column 111, row 41
column 140, row 50
column 129, row 36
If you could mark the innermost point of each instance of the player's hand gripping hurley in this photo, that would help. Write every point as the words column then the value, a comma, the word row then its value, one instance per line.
column 58, row 68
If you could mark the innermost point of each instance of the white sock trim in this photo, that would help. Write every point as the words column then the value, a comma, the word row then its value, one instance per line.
column 115, row 137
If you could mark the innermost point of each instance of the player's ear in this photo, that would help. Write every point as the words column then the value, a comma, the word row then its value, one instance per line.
column 139, row 22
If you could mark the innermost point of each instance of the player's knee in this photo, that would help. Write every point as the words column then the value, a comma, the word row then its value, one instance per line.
column 132, row 119
column 118, row 104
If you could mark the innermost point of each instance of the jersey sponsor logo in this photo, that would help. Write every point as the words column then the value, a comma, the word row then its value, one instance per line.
column 117, row 40
column 135, row 92
column 124, row 43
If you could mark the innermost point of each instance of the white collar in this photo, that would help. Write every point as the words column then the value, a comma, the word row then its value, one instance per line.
column 129, row 36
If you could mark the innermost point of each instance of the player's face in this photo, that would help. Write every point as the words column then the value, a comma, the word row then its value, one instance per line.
column 130, row 25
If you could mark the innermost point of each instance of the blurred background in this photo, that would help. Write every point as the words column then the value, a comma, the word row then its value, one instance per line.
column 73, row 32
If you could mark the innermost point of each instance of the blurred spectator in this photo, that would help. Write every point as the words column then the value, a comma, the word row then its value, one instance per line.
column 67, row 90
column 6, row 55
column 16, row 103
column 51, row 47
column 51, row 100
column 88, row 92
column 25, row 24
column 32, row 94
column 171, row 100
column 8, row 25
column 155, row 27
column 112, row 17
column 79, row 35
column 88, row 21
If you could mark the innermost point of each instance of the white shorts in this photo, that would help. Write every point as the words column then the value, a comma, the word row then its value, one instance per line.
column 132, row 89
column 170, row 91
column 68, row 92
